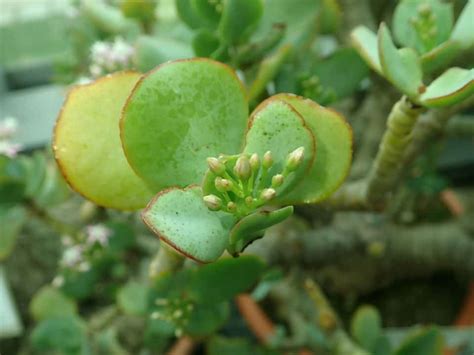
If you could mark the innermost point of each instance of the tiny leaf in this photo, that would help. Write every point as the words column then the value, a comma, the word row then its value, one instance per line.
column 453, row 86
column 133, row 298
column 366, row 327
column 401, row 67
column 253, row 227
column 87, row 144
column 49, row 302
column 181, row 219
column 427, row 341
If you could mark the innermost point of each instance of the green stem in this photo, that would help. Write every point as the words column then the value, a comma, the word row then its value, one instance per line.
column 165, row 261
column 385, row 171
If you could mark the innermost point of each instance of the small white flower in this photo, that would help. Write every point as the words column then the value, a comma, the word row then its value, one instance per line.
column 84, row 266
column 72, row 256
column 98, row 233
column 8, row 127
column 9, row 149
column 58, row 281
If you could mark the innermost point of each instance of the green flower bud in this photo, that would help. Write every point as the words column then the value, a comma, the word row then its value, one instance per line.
column 242, row 168
column 294, row 159
column 223, row 185
column 249, row 200
column 267, row 160
column 254, row 162
column 424, row 9
column 268, row 194
column 216, row 166
column 231, row 206
column 277, row 180
column 212, row 202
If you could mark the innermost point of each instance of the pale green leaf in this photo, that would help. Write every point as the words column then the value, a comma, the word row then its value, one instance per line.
column 87, row 144
column 463, row 31
column 365, row 42
column 180, row 114
column 49, row 302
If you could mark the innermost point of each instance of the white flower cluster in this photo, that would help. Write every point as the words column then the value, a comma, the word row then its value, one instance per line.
column 76, row 255
column 108, row 57
column 8, row 128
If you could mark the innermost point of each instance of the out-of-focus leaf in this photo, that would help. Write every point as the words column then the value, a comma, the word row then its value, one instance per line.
column 463, row 31
column 330, row 16
column 12, row 181
column 366, row 327
column 224, row 279
column 11, row 221
column 440, row 56
column 239, row 19
column 49, row 302
column 133, row 298
column 205, row 43
column 207, row 319
column 427, row 341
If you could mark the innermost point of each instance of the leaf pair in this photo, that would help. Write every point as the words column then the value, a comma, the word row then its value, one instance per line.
column 404, row 67
column 124, row 138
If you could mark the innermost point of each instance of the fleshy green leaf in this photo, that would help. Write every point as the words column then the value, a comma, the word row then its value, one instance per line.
column 181, row 219
column 422, row 342
column 253, row 227
column 205, row 43
column 330, row 16
column 365, row 42
column 180, row 114
column 422, row 24
column 49, row 302
column 463, row 31
column 210, row 13
column 239, row 19
column 366, row 327
column 277, row 127
column 224, row 279
column 187, row 12
column 401, row 66
column 11, row 220
column 453, row 86
column 207, row 319
column 13, row 179
column 133, row 298
column 333, row 154
column 440, row 56
column 87, row 144
column 108, row 18
column 332, row 73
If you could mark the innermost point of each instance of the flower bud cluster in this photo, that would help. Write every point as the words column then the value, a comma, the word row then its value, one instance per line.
column 8, row 128
column 240, row 181
column 176, row 311
column 424, row 22
column 108, row 57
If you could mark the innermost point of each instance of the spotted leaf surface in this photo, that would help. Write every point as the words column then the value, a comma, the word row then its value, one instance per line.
column 181, row 219
column 180, row 114
column 87, row 144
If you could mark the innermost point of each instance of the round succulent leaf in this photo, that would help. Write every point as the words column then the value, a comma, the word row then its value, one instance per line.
column 239, row 19
column 405, row 31
column 187, row 12
column 181, row 219
column 463, row 31
column 451, row 87
column 366, row 327
column 209, row 12
column 277, row 127
column 87, row 144
column 224, row 279
column 428, row 341
column 334, row 150
column 253, row 227
column 132, row 298
column 50, row 302
column 440, row 56
column 401, row 67
column 365, row 43
column 205, row 43
column 180, row 114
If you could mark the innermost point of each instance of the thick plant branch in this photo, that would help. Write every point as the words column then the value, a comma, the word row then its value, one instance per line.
column 385, row 171
column 363, row 252
column 165, row 261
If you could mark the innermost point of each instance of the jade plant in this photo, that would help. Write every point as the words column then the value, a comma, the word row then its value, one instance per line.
column 182, row 133
column 425, row 30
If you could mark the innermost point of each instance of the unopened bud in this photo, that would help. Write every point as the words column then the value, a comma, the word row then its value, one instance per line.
column 242, row 168
column 231, row 206
column 277, row 180
column 212, row 202
column 295, row 158
column 424, row 9
column 268, row 194
column 254, row 162
column 249, row 200
column 267, row 160
column 223, row 185
column 216, row 166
